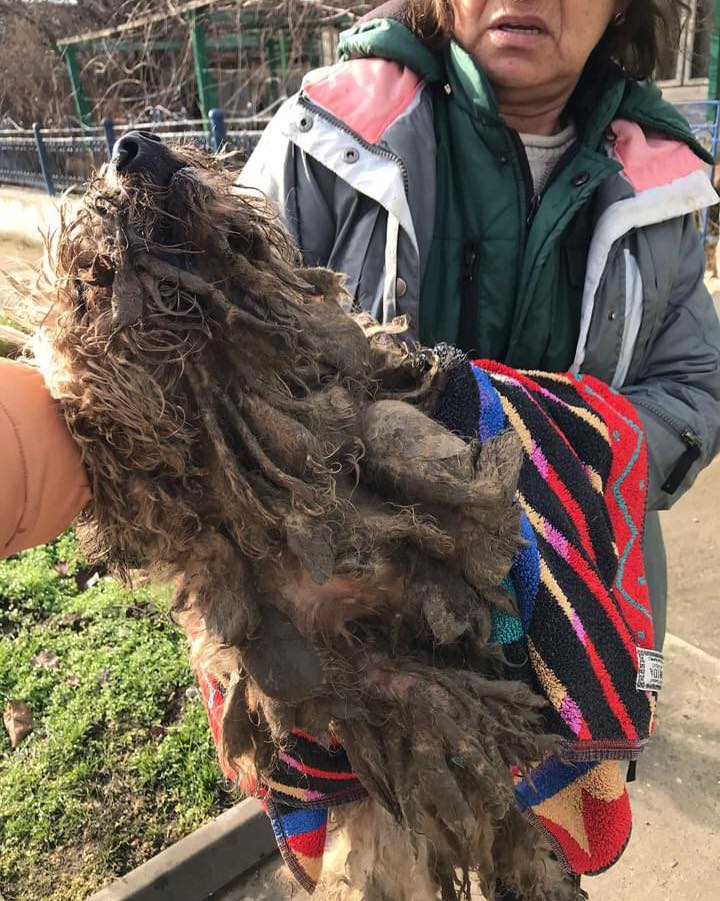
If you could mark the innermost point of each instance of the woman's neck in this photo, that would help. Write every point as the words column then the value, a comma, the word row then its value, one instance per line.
column 537, row 118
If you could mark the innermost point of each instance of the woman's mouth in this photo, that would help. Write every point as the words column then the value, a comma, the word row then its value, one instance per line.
column 520, row 29
column 517, row 31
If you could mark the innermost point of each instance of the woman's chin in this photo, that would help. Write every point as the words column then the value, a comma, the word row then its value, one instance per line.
column 516, row 72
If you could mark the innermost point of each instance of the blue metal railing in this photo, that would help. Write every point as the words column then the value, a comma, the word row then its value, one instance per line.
column 48, row 158
column 62, row 159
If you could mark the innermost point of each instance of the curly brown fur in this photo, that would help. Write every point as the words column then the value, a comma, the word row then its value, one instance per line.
column 337, row 551
column 371, row 857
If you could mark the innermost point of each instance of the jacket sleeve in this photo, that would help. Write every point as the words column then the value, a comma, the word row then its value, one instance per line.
column 677, row 392
column 43, row 486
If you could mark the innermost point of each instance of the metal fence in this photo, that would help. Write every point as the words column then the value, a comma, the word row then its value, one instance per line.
column 61, row 160
column 52, row 160
column 58, row 160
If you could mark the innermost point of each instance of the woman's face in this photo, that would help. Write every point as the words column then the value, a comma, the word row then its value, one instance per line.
column 537, row 45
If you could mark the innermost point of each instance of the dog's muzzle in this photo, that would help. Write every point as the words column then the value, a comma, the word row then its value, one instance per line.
column 143, row 153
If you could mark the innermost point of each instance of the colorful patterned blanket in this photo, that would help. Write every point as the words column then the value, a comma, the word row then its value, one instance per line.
column 583, row 636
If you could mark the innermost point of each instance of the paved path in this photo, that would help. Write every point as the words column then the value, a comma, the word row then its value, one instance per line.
column 675, row 849
column 18, row 262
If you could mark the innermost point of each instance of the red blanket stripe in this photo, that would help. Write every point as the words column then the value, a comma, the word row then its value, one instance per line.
column 593, row 582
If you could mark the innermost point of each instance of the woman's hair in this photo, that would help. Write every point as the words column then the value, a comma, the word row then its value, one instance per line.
column 636, row 45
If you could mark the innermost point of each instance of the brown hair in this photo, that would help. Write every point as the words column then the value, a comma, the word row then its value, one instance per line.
column 635, row 45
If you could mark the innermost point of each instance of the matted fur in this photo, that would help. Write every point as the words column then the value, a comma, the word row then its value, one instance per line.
column 337, row 552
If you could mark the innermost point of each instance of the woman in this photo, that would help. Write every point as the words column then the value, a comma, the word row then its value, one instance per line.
column 496, row 170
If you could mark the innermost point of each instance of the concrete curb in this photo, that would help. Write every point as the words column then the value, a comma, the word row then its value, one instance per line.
column 202, row 863
column 684, row 647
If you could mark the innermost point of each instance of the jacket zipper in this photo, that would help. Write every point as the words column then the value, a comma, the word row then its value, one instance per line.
column 468, row 300
column 372, row 148
column 692, row 442
column 569, row 154
column 533, row 200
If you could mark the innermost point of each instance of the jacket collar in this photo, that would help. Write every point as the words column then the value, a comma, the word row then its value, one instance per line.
column 592, row 110
column 470, row 86
column 600, row 97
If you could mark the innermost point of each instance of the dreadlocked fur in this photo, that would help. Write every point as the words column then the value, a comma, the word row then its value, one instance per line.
column 337, row 552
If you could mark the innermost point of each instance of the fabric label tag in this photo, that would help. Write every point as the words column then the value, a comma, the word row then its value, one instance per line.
column 650, row 673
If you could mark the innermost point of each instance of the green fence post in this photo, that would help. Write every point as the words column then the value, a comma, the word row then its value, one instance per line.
column 282, row 47
column 714, row 86
column 269, row 50
column 67, row 53
column 206, row 89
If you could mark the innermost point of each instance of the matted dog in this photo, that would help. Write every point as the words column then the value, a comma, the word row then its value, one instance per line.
column 338, row 552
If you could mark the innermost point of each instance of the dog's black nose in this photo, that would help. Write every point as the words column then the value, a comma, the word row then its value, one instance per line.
column 144, row 153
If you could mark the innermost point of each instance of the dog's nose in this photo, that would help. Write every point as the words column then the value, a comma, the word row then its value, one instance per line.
column 143, row 153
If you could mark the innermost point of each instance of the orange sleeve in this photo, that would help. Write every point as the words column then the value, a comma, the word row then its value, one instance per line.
column 43, row 485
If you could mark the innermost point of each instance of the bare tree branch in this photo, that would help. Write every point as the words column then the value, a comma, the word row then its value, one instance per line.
column 137, row 55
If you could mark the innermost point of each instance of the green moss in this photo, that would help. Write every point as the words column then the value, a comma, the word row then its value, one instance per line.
column 120, row 762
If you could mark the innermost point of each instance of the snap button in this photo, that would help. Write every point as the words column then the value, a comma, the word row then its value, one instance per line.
column 503, row 159
column 305, row 123
column 612, row 315
column 582, row 178
column 351, row 155
column 400, row 287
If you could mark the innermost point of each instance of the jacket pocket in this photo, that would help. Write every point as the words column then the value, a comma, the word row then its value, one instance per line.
column 691, row 440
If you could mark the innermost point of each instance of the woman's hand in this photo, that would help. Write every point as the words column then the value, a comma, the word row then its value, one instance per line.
column 43, row 485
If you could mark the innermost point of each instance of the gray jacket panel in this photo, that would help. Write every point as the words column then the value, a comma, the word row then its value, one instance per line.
column 673, row 380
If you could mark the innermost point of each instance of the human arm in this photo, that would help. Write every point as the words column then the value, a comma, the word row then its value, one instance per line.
column 43, row 485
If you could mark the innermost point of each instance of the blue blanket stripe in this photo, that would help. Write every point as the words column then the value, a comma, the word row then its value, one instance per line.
column 492, row 416
column 549, row 779
column 298, row 821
